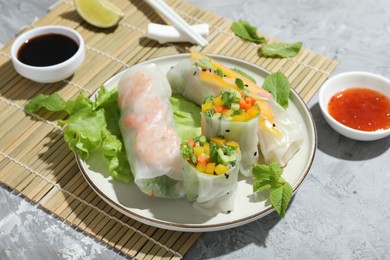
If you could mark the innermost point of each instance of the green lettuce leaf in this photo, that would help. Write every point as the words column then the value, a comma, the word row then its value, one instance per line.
column 52, row 103
column 187, row 117
column 280, row 50
column 247, row 32
column 278, row 84
column 269, row 177
column 92, row 126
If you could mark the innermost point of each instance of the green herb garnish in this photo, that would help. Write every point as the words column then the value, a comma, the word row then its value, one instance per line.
column 269, row 177
column 244, row 74
column 229, row 97
column 278, row 84
column 220, row 73
column 246, row 31
column 240, row 83
column 280, row 50
column 205, row 64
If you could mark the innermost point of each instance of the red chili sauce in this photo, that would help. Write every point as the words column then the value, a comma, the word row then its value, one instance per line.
column 361, row 108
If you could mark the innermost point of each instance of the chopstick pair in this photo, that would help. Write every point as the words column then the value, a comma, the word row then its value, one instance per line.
column 177, row 21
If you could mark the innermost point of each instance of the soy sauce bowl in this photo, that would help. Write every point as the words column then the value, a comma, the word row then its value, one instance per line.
column 48, row 73
column 345, row 81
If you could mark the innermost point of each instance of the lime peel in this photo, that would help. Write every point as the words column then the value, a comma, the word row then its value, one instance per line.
column 100, row 13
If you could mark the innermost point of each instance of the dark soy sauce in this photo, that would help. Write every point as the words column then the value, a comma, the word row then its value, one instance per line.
column 46, row 50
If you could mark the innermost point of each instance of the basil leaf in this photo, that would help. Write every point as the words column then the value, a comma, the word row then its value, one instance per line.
column 246, row 31
column 279, row 86
column 280, row 50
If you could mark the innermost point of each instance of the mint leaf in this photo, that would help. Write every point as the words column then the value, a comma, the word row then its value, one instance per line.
column 280, row 198
column 220, row 73
column 240, row 83
column 247, row 32
column 205, row 64
column 268, row 177
column 279, row 86
column 280, row 50
column 244, row 74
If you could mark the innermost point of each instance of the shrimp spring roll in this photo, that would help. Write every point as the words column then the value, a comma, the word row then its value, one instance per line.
column 234, row 116
column 147, row 126
column 211, row 173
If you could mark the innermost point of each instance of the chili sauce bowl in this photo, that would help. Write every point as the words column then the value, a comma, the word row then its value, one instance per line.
column 351, row 80
column 48, row 54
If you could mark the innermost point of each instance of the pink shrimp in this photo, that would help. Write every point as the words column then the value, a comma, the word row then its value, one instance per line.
column 149, row 111
column 158, row 146
column 132, row 86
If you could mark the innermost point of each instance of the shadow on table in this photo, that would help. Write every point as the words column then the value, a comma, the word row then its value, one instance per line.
column 336, row 145
column 220, row 243
column 15, row 87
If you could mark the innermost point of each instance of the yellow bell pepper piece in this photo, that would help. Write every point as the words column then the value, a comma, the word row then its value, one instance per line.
column 210, row 167
column 219, row 141
column 198, row 150
column 201, row 166
column 221, row 169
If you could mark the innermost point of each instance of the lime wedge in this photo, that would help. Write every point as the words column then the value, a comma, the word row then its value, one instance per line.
column 99, row 13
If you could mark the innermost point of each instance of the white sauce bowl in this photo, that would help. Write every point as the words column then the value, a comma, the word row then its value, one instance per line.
column 53, row 73
column 352, row 80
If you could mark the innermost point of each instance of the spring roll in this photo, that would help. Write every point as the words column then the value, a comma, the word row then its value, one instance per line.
column 211, row 173
column 280, row 137
column 201, row 76
column 234, row 116
column 151, row 142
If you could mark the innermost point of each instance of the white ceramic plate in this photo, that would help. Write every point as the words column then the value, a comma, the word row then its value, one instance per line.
column 179, row 214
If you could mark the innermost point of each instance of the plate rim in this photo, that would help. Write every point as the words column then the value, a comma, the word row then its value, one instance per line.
column 203, row 227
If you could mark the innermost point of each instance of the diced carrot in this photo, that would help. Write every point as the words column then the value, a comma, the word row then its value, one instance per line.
column 191, row 142
column 219, row 109
column 243, row 104
column 253, row 101
column 203, row 158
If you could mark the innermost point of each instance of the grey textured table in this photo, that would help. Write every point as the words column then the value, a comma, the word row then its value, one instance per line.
column 342, row 209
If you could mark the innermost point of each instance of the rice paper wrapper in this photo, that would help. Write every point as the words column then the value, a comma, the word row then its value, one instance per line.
column 184, row 79
column 244, row 133
column 281, row 148
column 151, row 142
column 211, row 194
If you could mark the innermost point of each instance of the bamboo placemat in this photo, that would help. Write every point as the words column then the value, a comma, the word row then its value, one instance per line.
column 36, row 162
